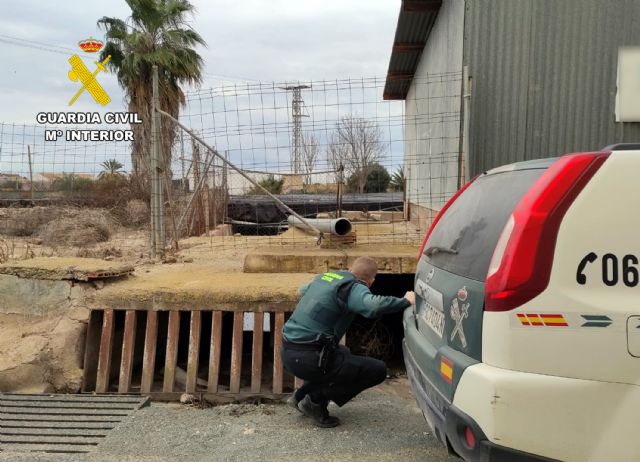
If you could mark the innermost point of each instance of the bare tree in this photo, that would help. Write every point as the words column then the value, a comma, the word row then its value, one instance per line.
column 357, row 145
column 310, row 149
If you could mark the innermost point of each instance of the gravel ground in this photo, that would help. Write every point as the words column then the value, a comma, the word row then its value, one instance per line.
column 383, row 424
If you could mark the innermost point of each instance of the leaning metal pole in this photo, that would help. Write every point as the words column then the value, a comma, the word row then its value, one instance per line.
column 196, row 191
column 247, row 177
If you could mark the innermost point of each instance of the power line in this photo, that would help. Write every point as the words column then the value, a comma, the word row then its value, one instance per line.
column 229, row 77
column 35, row 42
column 40, row 46
column 35, row 47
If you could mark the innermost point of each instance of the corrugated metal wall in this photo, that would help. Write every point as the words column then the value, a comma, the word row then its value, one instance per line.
column 544, row 76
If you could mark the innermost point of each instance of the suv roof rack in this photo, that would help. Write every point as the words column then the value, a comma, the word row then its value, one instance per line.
column 622, row 147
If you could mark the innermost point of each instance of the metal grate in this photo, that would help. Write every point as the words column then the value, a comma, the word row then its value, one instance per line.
column 61, row 423
column 119, row 339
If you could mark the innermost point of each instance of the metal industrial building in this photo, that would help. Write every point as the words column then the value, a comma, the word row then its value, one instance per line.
column 521, row 79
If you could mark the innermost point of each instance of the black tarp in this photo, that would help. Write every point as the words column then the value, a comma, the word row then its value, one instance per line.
column 262, row 215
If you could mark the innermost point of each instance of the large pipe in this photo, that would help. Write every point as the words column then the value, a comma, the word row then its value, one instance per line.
column 338, row 226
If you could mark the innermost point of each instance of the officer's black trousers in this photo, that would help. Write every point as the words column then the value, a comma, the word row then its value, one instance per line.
column 345, row 377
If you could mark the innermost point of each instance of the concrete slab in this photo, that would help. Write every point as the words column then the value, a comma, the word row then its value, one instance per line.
column 200, row 286
column 392, row 259
column 59, row 269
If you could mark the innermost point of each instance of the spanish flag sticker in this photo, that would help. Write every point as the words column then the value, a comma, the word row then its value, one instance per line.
column 554, row 320
column 446, row 369
column 542, row 319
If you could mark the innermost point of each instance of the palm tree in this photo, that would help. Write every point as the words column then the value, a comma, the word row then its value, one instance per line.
column 111, row 168
column 157, row 33
column 397, row 180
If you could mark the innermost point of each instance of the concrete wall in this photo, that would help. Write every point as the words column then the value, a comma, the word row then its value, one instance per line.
column 33, row 296
column 42, row 327
column 432, row 113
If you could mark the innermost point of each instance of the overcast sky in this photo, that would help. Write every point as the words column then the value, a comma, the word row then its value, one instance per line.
column 254, row 40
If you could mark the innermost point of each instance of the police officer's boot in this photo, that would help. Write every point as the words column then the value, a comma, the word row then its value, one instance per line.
column 318, row 412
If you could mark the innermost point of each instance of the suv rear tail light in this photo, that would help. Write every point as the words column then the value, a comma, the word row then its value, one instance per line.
column 441, row 212
column 521, row 265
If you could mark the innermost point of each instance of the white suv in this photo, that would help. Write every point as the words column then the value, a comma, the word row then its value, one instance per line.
column 524, row 344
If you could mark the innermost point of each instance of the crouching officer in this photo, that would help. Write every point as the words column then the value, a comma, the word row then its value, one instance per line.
column 310, row 347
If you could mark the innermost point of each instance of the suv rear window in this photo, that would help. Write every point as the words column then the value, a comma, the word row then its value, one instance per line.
column 473, row 223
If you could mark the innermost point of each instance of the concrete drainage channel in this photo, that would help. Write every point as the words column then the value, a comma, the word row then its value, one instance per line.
column 61, row 423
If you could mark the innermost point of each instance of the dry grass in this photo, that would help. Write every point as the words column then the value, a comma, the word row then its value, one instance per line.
column 136, row 213
column 104, row 253
column 5, row 251
column 26, row 221
column 78, row 228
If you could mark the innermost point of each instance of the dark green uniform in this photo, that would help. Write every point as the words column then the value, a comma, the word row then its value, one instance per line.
column 327, row 307
column 330, row 303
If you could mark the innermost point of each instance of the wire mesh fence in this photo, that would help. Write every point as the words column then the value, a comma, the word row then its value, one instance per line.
column 319, row 150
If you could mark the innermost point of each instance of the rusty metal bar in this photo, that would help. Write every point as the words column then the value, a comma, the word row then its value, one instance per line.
column 236, row 352
column 194, row 350
column 149, row 359
column 92, row 351
column 278, row 377
column 128, row 345
column 256, row 360
column 106, row 345
column 214, row 355
column 172, row 351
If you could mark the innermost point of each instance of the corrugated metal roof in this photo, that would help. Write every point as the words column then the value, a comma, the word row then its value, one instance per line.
column 415, row 22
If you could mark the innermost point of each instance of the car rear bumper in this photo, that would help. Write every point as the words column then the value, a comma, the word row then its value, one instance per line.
column 563, row 418
column 449, row 423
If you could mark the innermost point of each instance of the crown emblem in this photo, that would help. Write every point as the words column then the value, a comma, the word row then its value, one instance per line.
column 90, row 45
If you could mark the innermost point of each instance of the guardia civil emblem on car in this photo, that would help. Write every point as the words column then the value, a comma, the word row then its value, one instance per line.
column 459, row 311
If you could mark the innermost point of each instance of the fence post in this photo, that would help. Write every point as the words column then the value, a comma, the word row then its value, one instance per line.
column 30, row 171
column 157, row 212
column 340, row 192
column 152, row 161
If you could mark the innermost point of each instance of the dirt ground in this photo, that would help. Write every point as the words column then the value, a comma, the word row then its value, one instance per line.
column 132, row 246
column 382, row 424
column 209, row 270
